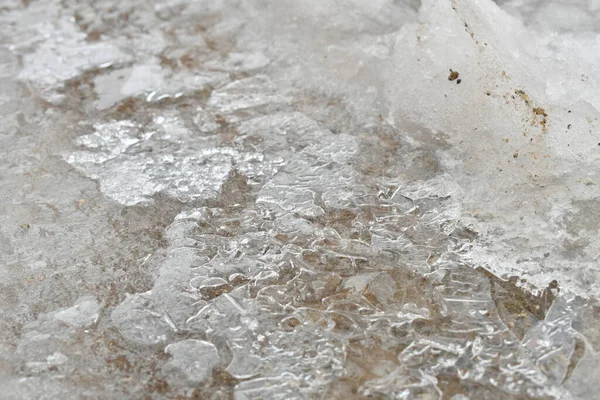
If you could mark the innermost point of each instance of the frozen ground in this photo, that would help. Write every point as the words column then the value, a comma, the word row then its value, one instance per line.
column 299, row 199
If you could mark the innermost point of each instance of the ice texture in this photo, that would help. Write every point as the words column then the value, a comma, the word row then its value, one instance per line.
column 393, row 199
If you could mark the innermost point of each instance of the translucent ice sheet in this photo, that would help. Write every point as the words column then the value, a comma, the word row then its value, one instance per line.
column 249, row 199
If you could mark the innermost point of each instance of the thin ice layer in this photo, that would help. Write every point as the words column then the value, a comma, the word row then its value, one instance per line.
column 337, row 182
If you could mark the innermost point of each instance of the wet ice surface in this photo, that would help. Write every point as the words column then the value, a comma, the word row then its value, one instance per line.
column 299, row 199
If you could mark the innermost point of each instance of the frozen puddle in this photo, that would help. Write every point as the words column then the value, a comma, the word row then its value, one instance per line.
column 306, row 199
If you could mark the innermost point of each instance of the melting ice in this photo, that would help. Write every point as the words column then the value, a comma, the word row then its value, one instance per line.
column 300, row 199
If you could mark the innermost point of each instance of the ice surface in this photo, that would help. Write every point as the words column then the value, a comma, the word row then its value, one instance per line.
column 196, row 358
column 83, row 313
column 299, row 199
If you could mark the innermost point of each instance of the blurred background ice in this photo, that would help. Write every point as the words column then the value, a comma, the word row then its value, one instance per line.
column 256, row 199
